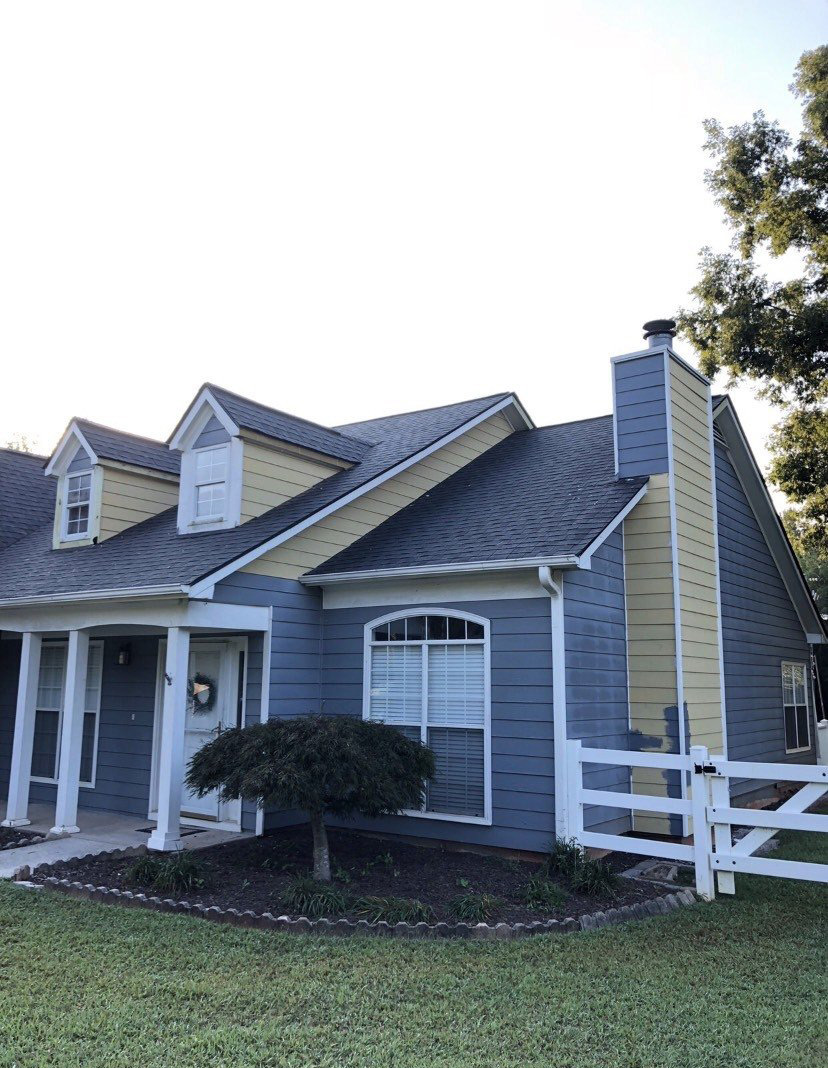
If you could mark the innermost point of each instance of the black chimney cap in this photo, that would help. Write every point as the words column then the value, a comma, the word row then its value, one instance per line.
column 660, row 326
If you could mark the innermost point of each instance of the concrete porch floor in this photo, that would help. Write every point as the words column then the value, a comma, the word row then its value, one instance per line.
column 100, row 831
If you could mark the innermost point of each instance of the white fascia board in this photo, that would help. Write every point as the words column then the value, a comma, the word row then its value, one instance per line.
column 568, row 561
column 189, row 427
column 278, row 539
column 60, row 459
column 128, row 594
column 759, row 498
column 585, row 557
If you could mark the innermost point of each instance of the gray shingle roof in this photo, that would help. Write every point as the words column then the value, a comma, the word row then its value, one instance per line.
column 27, row 496
column 109, row 444
column 538, row 494
column 152, row 553
column 275, row 424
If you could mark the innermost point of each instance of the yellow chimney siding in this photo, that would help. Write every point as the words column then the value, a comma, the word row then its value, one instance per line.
column 694, row 494
column 270, row 477
column 129, row 497
column 330, row 535
column 651, row 644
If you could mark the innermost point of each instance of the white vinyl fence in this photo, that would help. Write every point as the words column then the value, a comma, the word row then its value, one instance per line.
column 713, row 851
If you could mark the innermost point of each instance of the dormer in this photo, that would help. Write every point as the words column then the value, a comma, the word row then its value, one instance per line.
column 107, row 481
column 239, row 459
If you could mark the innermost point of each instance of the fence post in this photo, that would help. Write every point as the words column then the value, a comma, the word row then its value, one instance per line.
column 574, row 780
column 702, row 845
column 722, row 832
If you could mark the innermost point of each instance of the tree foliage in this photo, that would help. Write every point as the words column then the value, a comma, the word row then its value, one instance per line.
column 323, row 765
column 773, row 189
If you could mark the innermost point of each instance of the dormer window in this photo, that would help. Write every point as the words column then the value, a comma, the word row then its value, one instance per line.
column 76, row 507
column 211, row 484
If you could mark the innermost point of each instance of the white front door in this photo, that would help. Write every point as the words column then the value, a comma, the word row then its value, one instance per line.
column 213, row 706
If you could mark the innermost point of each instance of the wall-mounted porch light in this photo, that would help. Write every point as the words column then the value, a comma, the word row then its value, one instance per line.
column 124, row 655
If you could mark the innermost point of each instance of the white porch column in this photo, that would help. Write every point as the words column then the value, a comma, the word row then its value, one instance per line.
column 71, row 734
column 166, row 835
column 17, row 807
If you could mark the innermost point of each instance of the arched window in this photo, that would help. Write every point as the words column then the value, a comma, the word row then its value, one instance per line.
column 427, row 673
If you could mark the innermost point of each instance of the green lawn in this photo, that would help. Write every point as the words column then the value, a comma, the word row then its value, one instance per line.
column 738, row 983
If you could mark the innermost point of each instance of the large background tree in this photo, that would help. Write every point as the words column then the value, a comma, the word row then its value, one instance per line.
column 773, row 188
column 324, row 765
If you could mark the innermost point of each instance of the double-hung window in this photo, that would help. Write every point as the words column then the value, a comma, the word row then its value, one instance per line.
column 796, row 709
column 210, row 484
column 428, row 675
column 78, row 492
column 49, row 713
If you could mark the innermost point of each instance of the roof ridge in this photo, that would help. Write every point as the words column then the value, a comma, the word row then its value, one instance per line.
column 281, row 411
column 574, row 422
column 115, row 430
column 22, row 452
column 433, row 408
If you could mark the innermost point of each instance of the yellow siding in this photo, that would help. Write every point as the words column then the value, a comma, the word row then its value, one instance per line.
column 270, row 477
column 696, row 549
column 130, row 497
column 338, row 530
column 651, row 644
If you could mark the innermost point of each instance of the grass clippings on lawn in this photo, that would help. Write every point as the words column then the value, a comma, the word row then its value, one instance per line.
column 738, row 984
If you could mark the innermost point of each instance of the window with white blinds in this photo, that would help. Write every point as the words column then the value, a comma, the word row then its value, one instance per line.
column 795, row 705
column 427, row 676
column 49, row 713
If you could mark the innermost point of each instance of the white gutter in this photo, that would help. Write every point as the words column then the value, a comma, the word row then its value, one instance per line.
column 553, row 584
column 130, row 594
column 567, row 561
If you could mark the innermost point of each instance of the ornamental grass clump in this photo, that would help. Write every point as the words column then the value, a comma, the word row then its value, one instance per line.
column 393, row 910
column 323, row 765
column 175, row 873
column 542, row 894
column 580, row 873
column 307, row 897
column 474, row 908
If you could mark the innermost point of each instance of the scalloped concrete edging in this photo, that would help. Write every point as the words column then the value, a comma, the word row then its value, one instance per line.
column 266, row 921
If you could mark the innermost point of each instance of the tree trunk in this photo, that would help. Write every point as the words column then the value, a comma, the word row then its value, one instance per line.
column 321, row 852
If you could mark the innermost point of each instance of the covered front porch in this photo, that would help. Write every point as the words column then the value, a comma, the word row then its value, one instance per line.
column 102, row 705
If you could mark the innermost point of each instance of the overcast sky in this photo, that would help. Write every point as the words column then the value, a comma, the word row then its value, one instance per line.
column 349, row 209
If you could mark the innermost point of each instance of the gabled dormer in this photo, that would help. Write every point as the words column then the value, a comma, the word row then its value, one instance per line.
column 107, row 481
column 239, row 459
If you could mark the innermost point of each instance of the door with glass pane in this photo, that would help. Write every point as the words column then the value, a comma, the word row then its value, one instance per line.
column 214, row 703
column 207, row 716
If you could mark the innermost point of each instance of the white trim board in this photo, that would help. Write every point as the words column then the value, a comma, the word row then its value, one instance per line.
column 375, row 593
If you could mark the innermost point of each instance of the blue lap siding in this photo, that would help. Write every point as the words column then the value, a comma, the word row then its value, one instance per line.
column 124, row 734
column 640, row 415
column 596, row 673
column 760, row 629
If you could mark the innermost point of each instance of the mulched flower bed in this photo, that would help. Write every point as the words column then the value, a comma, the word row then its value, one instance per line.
column 12, row 837
column 255, row 873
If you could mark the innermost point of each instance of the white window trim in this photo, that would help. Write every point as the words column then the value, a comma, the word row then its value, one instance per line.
column 84, row 783
column 368, row 644
column 796, row 664
column 64, row 519
column 188, row 521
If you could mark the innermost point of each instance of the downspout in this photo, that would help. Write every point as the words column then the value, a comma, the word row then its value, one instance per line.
column 552, row 582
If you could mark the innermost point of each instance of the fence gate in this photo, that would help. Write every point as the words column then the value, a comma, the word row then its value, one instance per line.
column 713, row 851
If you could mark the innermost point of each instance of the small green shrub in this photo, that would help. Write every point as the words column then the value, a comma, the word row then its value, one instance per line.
column 342, row 875
column 542, row 894
column 177, row 873
column 393, row 910
column 580, row 873
column 474, row 908
column 381, row 860
column 307, row 897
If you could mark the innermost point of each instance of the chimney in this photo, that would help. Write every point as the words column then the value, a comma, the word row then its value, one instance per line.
column 663, row 429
